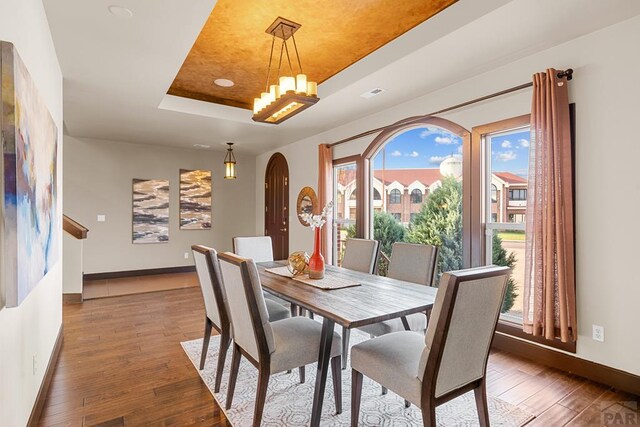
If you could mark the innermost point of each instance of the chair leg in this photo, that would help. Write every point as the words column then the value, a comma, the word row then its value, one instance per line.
column 205, row 342
column 407, row 404
column 233, row 375
column 356, row 396
column 384, row 390
column 261, row 394
column 429, row 415
column 481, row 403
column 346, row 332
column 225, row 341
column 293, row 309
column 336, row 376
column 301, row 371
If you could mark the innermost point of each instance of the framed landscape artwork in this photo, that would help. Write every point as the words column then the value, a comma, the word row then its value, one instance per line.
column 31, row 228
column 195, row 199
column 150, row 211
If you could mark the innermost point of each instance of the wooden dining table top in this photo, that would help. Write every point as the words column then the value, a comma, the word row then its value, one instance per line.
column 377, row 298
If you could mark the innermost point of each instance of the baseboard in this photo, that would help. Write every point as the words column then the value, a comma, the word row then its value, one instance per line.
column 593, row 371
column 131, row 273
column 36, row 412
column 71, row 298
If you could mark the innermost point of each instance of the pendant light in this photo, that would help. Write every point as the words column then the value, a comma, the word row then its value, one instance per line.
column 230, row 163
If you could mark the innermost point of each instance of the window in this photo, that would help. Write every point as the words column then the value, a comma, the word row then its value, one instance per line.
column 416, row 196
column 394, row 197
column 426, row 156
column 518, row 194
column 507, row 165
column 344, row 210
column 376, row 195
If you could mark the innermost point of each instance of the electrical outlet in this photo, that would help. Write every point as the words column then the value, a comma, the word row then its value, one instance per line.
column 35, row 363
column 186, row 255
column 598, row 333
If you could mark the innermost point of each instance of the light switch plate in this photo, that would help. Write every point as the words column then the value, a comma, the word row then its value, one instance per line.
column 102, row 218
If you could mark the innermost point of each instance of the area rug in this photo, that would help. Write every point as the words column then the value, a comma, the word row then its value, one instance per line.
column 288, row 402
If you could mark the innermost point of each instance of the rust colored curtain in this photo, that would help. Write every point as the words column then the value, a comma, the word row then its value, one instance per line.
column 549, row 289
column 325, row 194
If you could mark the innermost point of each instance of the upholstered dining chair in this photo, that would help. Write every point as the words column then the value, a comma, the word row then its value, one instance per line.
column 451, row 359
column 410, row 263
column 359, row 255
column 216, row 312
column 259, row 249
column 272, row 347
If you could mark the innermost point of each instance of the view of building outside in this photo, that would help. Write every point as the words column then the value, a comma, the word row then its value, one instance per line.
column 417, row 197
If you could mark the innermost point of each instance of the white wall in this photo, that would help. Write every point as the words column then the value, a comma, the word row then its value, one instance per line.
column 31, row 329
column 606, row 94
column 98, row 180
column 72, row 264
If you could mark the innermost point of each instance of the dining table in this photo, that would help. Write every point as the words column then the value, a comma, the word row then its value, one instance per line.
column 371, row 299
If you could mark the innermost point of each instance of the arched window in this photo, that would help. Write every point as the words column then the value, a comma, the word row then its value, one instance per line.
column 494, row 193
column 376, row 195
column 416, row 196
column 394, row 197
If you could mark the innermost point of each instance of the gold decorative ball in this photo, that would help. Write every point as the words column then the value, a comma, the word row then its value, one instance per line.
column 298, row 263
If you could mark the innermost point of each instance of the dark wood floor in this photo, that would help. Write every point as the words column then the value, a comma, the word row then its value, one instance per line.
column 122, row 364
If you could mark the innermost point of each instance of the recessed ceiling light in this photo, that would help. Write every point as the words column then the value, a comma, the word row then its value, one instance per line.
column 201, row 146
column 371, row 93
column 120, row 12
column 223, row 82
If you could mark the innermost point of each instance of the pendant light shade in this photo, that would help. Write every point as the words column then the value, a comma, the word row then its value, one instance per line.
column 230, row 163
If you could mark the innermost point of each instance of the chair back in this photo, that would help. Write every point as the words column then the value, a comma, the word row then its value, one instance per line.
column 413, row 263
column 361, row 255
column 208, row 269
column 258, row 248
column 461, row 328
column 247, row 308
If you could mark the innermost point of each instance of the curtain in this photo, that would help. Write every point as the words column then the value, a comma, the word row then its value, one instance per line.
column 549, row 289
column 325, row 195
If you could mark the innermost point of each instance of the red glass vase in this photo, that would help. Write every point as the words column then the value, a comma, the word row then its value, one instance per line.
column 316, row 261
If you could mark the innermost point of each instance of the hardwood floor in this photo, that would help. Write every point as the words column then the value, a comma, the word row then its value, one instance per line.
column 122, row 364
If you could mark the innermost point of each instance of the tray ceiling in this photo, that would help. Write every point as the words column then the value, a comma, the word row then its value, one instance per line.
column 335, row 34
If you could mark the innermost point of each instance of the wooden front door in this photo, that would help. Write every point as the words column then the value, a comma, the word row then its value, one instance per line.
column 276, row 209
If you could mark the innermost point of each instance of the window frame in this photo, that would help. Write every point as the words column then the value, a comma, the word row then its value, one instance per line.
column 396, row 195
column 411, row 198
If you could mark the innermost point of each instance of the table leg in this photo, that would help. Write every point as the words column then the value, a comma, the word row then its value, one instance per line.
column 323, row 366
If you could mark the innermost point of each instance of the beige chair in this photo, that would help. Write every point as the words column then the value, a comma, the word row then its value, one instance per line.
column 216, row 312
column 359, row 255
column 409, row 263
column 451, row 359
column 258, row 248
column 271, row 347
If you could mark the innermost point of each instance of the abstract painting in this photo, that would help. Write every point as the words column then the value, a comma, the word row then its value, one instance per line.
column 31, row 226
column 150, row 211
column 195, row 199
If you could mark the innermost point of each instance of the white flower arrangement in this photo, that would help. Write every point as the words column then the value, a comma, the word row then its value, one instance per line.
column 317, row 221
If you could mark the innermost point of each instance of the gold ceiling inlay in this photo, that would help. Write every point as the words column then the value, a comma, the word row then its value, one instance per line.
column 335, row 34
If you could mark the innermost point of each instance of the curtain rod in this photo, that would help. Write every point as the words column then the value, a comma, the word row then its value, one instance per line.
column 568, row 73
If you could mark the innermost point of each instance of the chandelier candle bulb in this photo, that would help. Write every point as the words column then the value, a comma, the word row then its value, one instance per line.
column 287, row 83
column 312, row 89
column 256, row 105
column 274, row 91
column 301, row 83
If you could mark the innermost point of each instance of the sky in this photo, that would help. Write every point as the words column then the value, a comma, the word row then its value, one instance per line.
column 428, row 147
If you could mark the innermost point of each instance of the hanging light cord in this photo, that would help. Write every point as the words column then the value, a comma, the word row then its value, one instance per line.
column 273, row 42
column 286, row 48
column 293, row 36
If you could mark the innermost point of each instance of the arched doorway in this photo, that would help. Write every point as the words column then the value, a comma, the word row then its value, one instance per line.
column 276, row 200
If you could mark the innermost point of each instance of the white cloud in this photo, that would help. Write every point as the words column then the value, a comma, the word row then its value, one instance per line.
column 507, row 156
column 437, row 159
column 523, row 142
column 430, row 131
column 414, row 154
column 460, row 149
column 506, row 144
column 396, row 153
column 445, row 140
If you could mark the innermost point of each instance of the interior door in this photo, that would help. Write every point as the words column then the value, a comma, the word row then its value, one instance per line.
column 276, row 210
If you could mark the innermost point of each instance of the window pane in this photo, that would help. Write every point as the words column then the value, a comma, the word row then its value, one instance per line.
column 429, row 158
column 344, row 208
column 507, row 172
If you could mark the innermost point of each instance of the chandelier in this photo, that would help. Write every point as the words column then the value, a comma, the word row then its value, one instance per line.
column 289, row 95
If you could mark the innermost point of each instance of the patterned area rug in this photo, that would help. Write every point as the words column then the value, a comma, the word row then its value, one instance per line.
column 289, row 402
